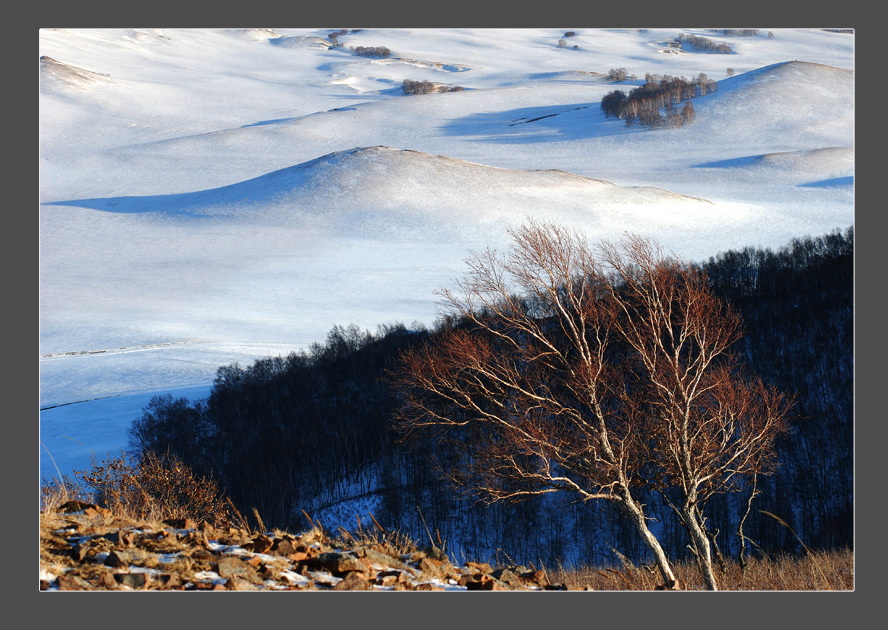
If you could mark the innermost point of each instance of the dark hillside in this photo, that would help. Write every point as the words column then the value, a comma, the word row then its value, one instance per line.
column 312, row 430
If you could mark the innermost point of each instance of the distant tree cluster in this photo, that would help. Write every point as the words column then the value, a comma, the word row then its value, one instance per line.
column 643, row 104
column 704, row 44
column 738, row 32
column 617, row 74
column 427, row 87
column 373, row 51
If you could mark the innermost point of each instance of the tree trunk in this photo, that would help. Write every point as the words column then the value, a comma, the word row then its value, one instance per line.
column 700, row 547
column 636, row 515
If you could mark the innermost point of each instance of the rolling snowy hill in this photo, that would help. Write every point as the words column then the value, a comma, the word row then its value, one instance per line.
column 210, row 196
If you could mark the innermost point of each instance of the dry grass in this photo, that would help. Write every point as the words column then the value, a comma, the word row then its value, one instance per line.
column 163, row 489
column 814, row 571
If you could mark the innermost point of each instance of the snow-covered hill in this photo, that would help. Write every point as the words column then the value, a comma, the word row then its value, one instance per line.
column 214, row 195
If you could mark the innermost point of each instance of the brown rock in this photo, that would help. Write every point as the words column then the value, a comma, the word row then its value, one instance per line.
column 352, row 582
column 114, row 560
column 428, row 586
column 259, row 544
column 337, row 562
column 282, row 547
column 383, row 559
column 170, row 581
column 197, row 539
column 431, row 567
column 204, row 555
column 492, row 585
column 78, row 552
column 94, row 511
column 479, row 567
column 133, row 580
column 255, row 561
column 476, row 582
column 106, row 580
column 240, row 584
column 508, row 576
column 121, row 538
column 229, row 566
column 74, row 583
column 537, row 577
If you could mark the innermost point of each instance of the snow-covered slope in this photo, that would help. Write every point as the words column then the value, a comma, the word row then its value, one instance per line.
column 214, row 195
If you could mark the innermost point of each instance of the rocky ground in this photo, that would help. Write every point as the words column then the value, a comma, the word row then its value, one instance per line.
column 85, row 547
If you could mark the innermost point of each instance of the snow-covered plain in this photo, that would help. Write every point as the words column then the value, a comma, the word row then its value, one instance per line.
column 217, row 195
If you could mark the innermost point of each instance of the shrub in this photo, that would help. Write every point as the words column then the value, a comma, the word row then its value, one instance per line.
column 373, row 51
column 419, row 87
column 158, row 487
column 426, row 87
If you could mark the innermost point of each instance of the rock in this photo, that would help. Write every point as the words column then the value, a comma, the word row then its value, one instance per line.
column 282, row 547
column 78, row 552
column 94, row 511
column 204, row 555
column 479, row 567
column 170, row 581
column 352, row 582
column 507, row 576
column 114, row 560
column 259, row 544
column 106, row 580
column 537, row 577
column 197, row 539
column 133, row 580
column 391, row 578
column 337, row 562
column 75, row 583
column 475, row 582
column 240, row 584
column 229, row 566
column 121, row 538
column 383, row 559
column 432, row 568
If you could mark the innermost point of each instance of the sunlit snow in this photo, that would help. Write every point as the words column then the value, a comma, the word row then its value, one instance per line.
column 210, row 196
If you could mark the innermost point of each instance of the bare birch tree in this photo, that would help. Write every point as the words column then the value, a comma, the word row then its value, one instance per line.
column 709, row 423
column 555, row 377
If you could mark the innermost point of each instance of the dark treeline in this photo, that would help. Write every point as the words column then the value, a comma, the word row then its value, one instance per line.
column 643, row 103
column 313, row 429
column 798, row 308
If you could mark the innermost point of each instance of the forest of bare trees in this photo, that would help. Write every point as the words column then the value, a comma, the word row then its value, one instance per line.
column 313, row 429
column 644, row 103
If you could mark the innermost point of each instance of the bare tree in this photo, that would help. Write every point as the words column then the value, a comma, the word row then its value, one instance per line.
column 709, row 422
column 554, row 375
